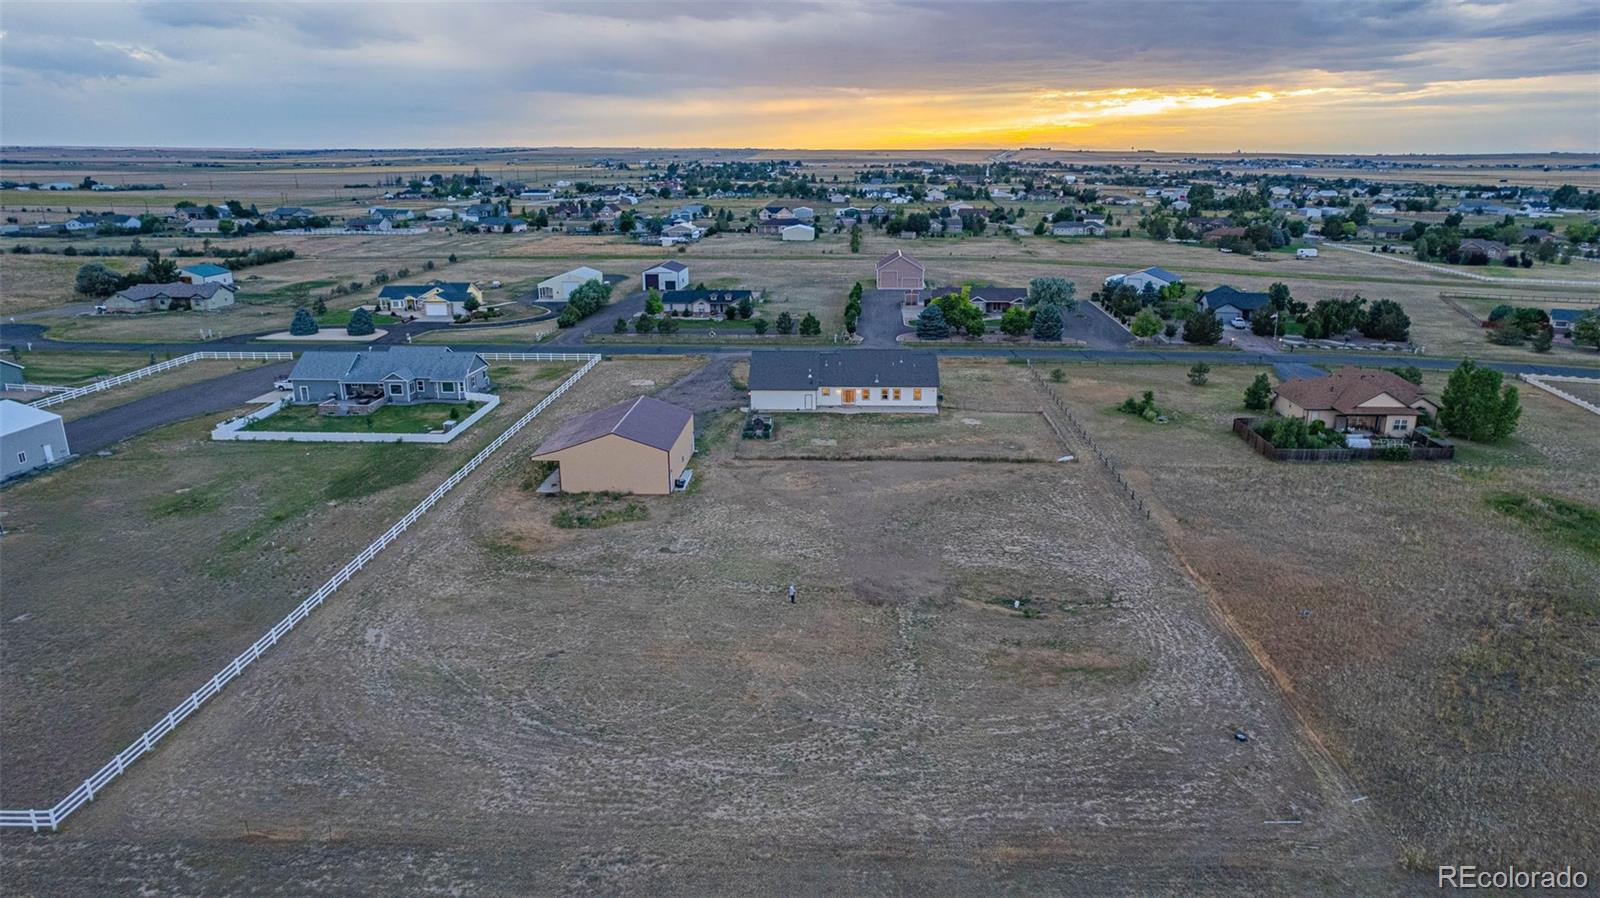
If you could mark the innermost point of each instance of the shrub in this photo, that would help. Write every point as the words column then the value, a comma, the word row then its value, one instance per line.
column 644, row 324
column 621, row 327
column 785, row 323
column 1144, row 406
column 1475, row 406
column 1057, row 375
column 1198, row 373
column 760, row 326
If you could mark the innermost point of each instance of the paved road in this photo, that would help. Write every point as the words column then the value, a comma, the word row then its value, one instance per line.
column 1031, row 350
column 601, row 322
column 95, row 432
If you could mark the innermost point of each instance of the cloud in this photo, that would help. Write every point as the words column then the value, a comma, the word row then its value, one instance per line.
column 892, row 73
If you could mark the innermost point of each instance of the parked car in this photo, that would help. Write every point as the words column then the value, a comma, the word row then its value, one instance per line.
column 1240, row 323
column 284, row 384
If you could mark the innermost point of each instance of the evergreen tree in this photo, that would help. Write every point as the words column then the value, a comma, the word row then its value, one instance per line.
column 1047, row 322
column 1259, row 394
column 360, row 323
column 1202, row 328
column 785, row 323
column 931, row 324
column 810, row 326
column 303, row 324
column 621, row 327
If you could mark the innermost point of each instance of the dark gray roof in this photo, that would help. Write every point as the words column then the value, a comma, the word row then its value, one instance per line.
column 643, row 420
column 142, row 292
column 373, row 365
column 454, row 291
column 671, row 265
column 1228, row 296
column 1565, row 314
column 1163, row 274
column 679, row 297
column 774, row 369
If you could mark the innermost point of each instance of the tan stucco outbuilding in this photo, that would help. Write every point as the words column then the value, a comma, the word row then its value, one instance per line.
column 640, row 446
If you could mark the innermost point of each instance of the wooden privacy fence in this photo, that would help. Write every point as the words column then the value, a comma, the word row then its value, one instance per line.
column 1106, row 461
column 1434, row 451
column 43, row 818
column 120, row 379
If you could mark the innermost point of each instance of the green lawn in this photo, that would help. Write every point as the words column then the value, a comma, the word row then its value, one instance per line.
column 419, row 418
column 341, row 318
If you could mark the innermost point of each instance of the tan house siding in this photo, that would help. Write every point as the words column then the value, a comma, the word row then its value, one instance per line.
column 900, row 274
column 613, row 463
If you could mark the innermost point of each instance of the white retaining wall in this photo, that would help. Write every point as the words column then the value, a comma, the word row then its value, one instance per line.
column 51, row 817
column 233, row 428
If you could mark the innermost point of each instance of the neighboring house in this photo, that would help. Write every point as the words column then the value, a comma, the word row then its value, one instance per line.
column 11, row 372
column 1355, row 399
column 994, row 301
column 203, row 226
column 683, row 230
column 857, row 380
column 81, row 223
column 1493, row 250
column 171, row 297
column 1078, row 229
column 472, row 214
column 1155, row 277
column 898, row 271
column 1226, row 303
column 688, row 212
column 368, row 223
column 772, row 227
column 391, row 214
column 499, row 224
column 800, row 232
column 669, row 275
column 804, row 213
column 703, row 303
column 399, row 374
column 30, row 439
column 639, row 446
column 443, row 213
column 206, row 273
column 560, row 287
column 290, row 213
column 1562, row 320
column 771, row 212
column 435, row 299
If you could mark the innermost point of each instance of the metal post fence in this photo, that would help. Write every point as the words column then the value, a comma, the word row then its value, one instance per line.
column 129, row 377
column 1105, row 460
column 37, row 819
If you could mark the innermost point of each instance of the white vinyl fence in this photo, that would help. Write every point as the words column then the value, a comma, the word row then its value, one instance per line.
column 131, row 376
column 51, row 817
column 535, row 356
column 1543, row 382
column 34, row 388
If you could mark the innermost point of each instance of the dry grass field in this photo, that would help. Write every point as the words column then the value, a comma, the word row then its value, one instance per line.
column 815, row 277
column 210, row 543
column 1441, row 649
column 997, row 679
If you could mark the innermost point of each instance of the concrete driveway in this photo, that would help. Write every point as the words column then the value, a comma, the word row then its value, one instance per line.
column 600, row 322
column 881, row 318
column 1095, row 327
column 102, row 429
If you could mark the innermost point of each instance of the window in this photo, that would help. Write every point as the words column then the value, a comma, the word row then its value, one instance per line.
column 827, row 391
column 916, row 394
column 446, row 386
column 1401, row 424
column 896, row 394
column 883, row 393
column 396, row 389
column 22, row 458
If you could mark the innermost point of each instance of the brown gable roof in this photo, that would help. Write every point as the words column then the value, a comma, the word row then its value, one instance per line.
column 643, row 420
column 1344, row 390
column 897, row 254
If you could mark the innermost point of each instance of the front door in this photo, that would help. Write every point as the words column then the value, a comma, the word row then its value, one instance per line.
column 811, row 402
column 849, row 397
column 49, row 454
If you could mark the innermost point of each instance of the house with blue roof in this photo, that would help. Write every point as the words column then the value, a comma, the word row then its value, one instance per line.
column 402, row 375
column 1157, row 278
column 206, row 273
column 438, row 300
column 1562, row 321
column 1227, row 303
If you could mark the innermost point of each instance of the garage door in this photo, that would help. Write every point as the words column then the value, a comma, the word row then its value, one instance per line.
column 652, row 281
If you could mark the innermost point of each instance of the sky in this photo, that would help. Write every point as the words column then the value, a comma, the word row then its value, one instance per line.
column 1323, row 76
